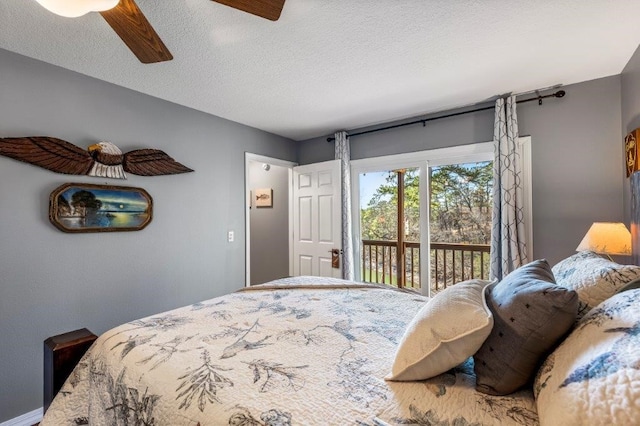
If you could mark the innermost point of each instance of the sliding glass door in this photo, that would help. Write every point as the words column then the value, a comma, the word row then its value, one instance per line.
column 423, row 220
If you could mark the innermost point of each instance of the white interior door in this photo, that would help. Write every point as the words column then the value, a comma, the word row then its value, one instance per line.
column 317, row 219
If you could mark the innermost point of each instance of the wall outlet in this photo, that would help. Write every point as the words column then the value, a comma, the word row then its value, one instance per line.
column 230, row 236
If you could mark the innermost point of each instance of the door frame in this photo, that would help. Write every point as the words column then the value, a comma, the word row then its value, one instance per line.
column 422, row 160
column 248, row 158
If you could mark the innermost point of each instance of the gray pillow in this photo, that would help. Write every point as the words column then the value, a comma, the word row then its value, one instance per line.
column 531, row 313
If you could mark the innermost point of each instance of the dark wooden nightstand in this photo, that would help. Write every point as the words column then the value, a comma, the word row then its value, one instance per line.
column 61, row 354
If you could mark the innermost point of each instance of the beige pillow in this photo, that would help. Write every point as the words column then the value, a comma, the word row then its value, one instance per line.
column 445, row 332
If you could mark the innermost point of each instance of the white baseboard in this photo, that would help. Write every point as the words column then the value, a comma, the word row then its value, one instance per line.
column 27, row 419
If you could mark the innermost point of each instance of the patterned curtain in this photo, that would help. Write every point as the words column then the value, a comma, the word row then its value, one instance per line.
column 508, row 241
column 343, row 153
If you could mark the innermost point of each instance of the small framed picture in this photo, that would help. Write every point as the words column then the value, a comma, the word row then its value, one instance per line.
column 264, row 197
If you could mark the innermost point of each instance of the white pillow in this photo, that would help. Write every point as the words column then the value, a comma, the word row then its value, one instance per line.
column 593, row 277
column 445, row 332
column 593, row 377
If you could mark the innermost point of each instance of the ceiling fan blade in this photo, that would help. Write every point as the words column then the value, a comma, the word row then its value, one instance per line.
column 268, row 9
column 130, row 24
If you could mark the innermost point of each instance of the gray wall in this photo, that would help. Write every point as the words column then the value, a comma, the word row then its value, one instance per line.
column 630, row 82
column 52, row 282
column 269, row 232
column 576, row 149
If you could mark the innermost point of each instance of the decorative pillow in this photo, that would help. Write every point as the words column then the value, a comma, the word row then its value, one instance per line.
column 444, row 333
column 531, row 313
column 593, row 277
column 593, row 377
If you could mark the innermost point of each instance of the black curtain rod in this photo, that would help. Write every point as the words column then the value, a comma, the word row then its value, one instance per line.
column 558, row 94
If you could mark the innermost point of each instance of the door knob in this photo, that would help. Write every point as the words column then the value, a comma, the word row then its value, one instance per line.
column 335, row 258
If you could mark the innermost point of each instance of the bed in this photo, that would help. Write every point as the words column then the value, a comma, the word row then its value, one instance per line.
column 307, row 350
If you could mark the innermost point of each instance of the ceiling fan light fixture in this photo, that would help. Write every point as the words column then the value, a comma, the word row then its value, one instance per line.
column 76, row 8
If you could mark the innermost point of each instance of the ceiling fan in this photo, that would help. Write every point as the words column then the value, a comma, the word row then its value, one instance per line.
column 128, row 21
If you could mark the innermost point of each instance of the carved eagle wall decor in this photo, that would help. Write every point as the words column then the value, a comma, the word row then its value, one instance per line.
column 103, row 159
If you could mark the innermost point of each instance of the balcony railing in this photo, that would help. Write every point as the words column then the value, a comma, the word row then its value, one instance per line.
column 450, row 263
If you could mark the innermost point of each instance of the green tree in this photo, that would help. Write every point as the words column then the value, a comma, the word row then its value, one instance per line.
column 460, row 205
column 379, row 218
column 461, row 197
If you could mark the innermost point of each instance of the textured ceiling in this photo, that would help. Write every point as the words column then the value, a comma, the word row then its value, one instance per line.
column 340, row 64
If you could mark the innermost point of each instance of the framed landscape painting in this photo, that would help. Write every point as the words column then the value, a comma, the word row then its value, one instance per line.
column 82, row 207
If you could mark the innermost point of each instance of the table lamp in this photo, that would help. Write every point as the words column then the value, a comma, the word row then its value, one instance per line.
column 608, row 238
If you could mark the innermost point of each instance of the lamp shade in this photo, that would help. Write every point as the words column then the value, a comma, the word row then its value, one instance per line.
column 612, row 238
column 75, row 8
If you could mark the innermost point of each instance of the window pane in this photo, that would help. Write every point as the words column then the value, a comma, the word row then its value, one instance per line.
column 386, row 257
column 460, row 222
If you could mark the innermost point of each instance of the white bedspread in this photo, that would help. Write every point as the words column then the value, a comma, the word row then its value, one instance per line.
column 296, row 352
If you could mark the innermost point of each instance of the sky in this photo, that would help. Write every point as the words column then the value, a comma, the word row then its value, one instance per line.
column 369, row 182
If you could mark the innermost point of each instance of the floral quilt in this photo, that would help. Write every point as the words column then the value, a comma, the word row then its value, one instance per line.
column 302, row 351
